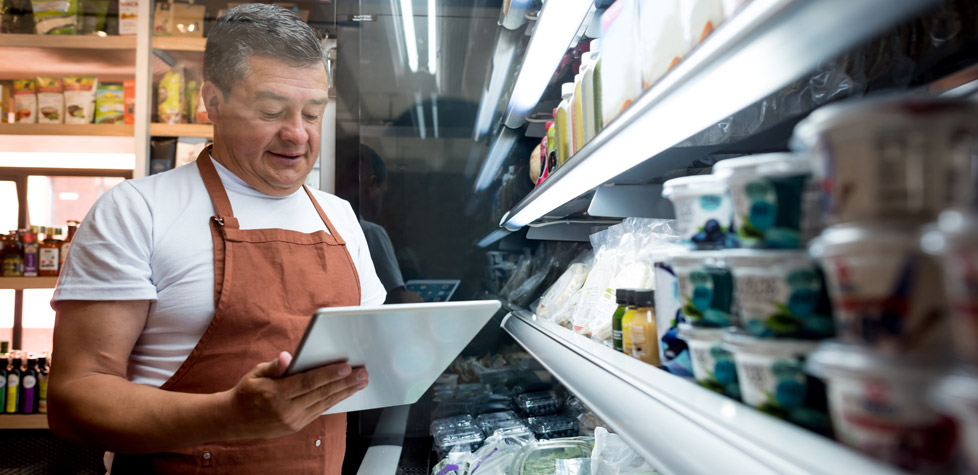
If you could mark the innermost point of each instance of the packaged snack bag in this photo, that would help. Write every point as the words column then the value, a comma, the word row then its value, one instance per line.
column 79, row 99
column 25, row 101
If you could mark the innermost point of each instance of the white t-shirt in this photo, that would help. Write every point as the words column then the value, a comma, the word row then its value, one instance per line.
column 150, row 239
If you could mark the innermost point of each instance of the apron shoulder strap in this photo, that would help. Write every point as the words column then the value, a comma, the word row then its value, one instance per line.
column 219, row 196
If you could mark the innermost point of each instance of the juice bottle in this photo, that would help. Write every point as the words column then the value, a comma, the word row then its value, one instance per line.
column 578, row 110
column 645, row 341
column 621, row 298
column 551, row 147
column 42, row 385
column 13, row 385
column 4, row 361
column 28, row 387
column 564, row 128
column 626, row 324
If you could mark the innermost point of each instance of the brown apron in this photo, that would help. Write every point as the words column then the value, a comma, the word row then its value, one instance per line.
column 267, row 284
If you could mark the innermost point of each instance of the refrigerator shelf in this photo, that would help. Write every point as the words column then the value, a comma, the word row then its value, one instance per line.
column 766, row 46
column 676, row 425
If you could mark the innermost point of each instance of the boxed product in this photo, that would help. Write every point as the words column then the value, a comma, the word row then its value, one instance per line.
column 129, row 99
column 109, row 104
column 128, row 17
column 188, row 148
column 170, row 98
column 25, row 101
column 93, row 16
column 50, row 101
column 161, row 154
column 6, row 101
column 79, row 93
column 621, row 78
column 55, row 18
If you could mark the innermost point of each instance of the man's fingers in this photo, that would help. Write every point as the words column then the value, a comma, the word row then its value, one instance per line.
column 336, row 391
column 274, row 368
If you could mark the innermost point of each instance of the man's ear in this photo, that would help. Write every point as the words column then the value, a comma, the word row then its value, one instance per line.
column 213, row 100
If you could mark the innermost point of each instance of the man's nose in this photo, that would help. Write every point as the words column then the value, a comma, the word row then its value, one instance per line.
column 294, row 130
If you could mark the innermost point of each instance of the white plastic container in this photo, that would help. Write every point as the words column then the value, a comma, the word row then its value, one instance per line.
column 661, row 40
column 957, row 395
column 713, row 365
column 774, row 199
column 780, row 294
column 673, row 351
column 703, row 210
column 705, row 289
column 879, row 406
column 699, row 18
column 885, row 292
column 621, row 78
column 773, row 380
column 954, row 240
column 892, row 158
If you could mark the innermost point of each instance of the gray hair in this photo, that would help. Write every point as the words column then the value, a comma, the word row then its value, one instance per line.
column 257, row 29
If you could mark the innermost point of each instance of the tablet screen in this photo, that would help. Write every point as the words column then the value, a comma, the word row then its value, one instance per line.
column 433, row 290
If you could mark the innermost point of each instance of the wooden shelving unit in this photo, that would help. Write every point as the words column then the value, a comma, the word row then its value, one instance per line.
column 181, row 130
column 21, row 283
column 68, row 42
column 92, row 130
column 174, row 43
column 23, row 421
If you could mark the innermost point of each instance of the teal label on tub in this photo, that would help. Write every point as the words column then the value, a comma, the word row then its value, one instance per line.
column 721, row 372
column 710, row 202
column 707, row 297
column 769, row 212
column 795, row 305
column 784, row 390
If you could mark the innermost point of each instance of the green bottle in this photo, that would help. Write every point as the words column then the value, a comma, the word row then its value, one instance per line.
column 12, row 404
column 621, row 298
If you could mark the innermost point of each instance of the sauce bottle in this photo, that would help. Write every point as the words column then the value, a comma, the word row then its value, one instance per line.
column 4, row 361
column 63, row 252
column 42, row 385
column 49, row 255
column 13, row 385
column 626, row 324
column 30, row 254
column 645, row 341
column 28, row 387
column 621, row 298
column 13, row 256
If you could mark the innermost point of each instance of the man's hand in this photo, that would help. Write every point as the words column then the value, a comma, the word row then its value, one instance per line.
column 265, row 404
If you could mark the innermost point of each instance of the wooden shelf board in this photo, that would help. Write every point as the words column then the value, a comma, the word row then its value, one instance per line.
column 21, row 283
column 96, row 130
column 179, row 43
column 181, row 130
column 23, row 421
column 68, row 41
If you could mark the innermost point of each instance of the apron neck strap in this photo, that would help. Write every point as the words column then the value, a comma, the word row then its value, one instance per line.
column 222, row 204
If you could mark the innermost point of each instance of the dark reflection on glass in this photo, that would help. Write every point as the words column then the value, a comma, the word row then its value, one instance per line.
column 405, row 155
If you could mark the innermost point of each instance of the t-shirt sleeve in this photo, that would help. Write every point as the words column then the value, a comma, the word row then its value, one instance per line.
column 109, row 256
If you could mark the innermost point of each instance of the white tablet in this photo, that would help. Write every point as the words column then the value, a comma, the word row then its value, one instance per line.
column 404, row 347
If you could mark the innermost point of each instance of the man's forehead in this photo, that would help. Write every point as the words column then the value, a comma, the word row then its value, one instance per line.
column 265, row 94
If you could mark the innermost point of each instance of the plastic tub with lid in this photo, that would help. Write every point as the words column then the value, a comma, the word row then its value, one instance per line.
column 773, row 380
column 673, row 351
column 705, row 289
column 780, row 294
column 703, row 210
column 954, row 240
column 774, row 199
column 713, row 365
column 879, row 406
column 894, row 158
column 957, row 395
column 885, row 292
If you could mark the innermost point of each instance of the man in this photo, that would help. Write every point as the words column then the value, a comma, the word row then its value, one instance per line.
column 184, row 291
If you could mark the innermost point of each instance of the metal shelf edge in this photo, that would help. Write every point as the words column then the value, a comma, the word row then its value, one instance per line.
column 677, row 415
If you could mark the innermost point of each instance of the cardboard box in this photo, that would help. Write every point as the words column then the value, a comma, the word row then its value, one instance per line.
column 129, row 98
column 128, row 17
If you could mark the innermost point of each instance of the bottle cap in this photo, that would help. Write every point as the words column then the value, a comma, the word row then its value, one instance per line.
column 644, row 298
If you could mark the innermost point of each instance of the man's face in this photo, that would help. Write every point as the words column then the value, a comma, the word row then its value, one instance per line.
column 268, row 132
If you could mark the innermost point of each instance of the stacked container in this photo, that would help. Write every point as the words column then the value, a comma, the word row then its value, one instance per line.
column 886, row 168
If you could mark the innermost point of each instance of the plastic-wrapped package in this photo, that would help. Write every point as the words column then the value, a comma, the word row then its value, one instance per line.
column 557, row 296
column 699, row 18
column 506, row 422
column 662, row 43
column 553, row 426
column 467, row 439
column 540, row 457
column 537, row 403
column 496, row 454
column 447, row 424
column 621, row 78
column 612, row 456
column 455, row 463
column 606, row 263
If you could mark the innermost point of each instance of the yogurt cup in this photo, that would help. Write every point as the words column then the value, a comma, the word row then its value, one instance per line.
column 885, row 292
column 957, row 395
column 954, row 240
column 879, row 406
column 773, row 380
column 703, row 210
column 705, row 289
column 774, row 199
column 892, row 158
column 673, row 351
column 713, row 365
column 780, row 294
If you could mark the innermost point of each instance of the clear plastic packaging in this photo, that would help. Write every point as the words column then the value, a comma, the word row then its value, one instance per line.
column 506, row 421
column 448, row 424
column 553, row 426
column 469, row 439
column 537, row 403
column 540, row 457
column 612, row 456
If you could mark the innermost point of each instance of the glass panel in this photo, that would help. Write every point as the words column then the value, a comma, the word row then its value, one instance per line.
column 6, row 314
column 53, row 200
column 8, row 212
column 38, row 320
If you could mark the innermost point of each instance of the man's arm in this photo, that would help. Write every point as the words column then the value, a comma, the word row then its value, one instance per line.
column 91, row 402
